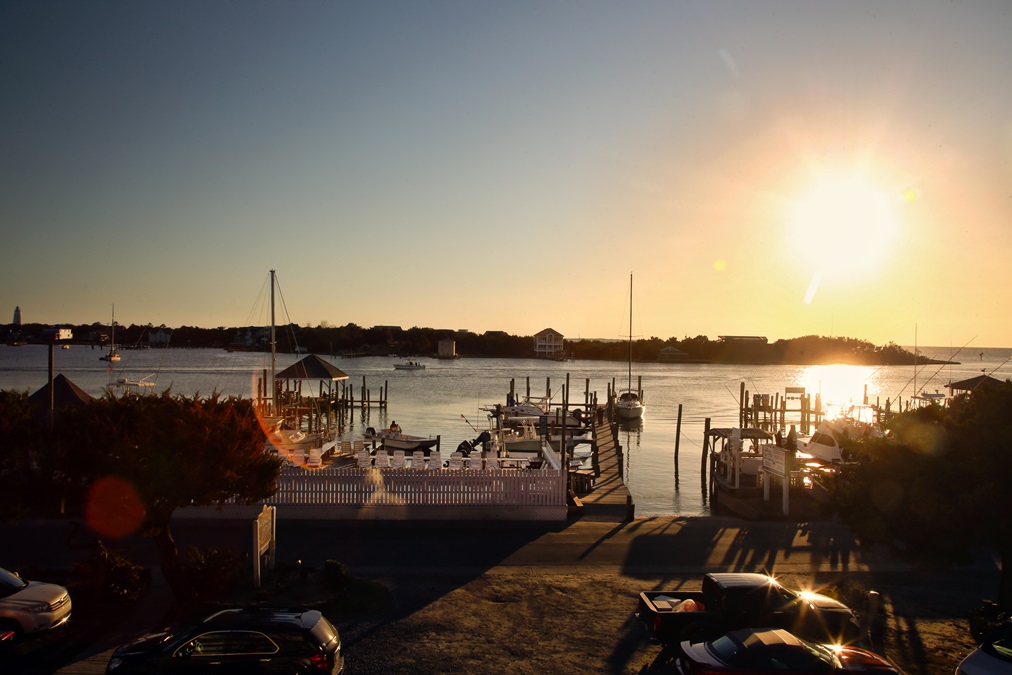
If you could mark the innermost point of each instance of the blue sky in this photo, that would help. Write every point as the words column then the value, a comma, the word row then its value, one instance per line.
column 507, row 165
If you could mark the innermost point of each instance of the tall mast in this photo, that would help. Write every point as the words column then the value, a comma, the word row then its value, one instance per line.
column 274, row 407
column 630, row 331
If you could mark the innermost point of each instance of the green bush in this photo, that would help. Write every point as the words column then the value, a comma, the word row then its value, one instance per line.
column 212, row 572
column 335, row 575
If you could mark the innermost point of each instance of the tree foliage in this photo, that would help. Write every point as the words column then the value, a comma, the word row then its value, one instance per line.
column 21, row 435
column 933, row 488
column 164, row 452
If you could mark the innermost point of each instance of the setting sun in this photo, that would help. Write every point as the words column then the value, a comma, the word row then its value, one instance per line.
column 844, row 227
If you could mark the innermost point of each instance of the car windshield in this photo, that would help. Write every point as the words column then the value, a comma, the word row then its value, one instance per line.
column 727, row 649
column 10, row 583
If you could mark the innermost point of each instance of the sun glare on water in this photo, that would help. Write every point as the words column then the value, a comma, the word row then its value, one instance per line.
column 843, row 228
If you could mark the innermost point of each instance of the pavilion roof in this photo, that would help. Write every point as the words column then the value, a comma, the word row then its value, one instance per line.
column 312, row 367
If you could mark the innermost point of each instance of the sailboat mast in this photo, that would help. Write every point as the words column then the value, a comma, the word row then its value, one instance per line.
column 629, row 385
column 274, row 408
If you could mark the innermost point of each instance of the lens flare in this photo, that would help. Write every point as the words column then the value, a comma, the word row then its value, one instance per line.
column 113, row 508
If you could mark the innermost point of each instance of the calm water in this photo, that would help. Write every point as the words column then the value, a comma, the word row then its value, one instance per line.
column 447, row 395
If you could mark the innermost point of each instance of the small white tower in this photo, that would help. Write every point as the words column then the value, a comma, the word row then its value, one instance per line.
column 17, row 315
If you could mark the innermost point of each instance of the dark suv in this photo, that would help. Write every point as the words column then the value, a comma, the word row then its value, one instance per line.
column 247, row 640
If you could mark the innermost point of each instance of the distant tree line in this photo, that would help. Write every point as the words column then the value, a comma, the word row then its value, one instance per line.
column 352, row 339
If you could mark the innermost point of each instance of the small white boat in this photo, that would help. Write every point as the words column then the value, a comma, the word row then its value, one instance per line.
column 128, row 384
column 628, row 405
column 113, row 354
column 824, row 444
column 395, row 440
column 410, row 365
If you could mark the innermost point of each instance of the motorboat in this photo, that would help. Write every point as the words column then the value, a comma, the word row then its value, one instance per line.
column 410, row 365
column 824, row 444
column 128, row 384
column 396, row 440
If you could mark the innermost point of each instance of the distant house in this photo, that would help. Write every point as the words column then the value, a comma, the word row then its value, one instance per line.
column 549, row 344
column 159, row 337
column 669, row 354
column 447, row 349
column 56, row 333
column 749, row 339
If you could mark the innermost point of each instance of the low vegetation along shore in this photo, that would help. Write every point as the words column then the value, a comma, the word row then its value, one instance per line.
column 353, row 340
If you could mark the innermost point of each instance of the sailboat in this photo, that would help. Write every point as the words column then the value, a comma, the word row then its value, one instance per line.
column 113, row 354
column 629, row 405
column 277, row 421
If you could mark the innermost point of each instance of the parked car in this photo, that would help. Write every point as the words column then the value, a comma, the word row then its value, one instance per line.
column 28, row 607
column 242, row 640
column 732, row 600
column 993, row 656
column 768, row 650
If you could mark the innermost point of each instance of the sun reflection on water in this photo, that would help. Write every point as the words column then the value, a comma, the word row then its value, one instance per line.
column 839, row 386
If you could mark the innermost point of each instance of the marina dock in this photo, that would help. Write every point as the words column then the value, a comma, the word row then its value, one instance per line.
column 604, row 496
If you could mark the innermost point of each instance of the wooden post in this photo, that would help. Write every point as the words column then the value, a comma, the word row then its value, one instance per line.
column 706, row 451
column 678, row 437
column 741, row 405
column 562, row 436
column 52, row 389
column 639, row 386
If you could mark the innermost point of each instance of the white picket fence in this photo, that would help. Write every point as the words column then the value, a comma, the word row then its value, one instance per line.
column 411, row 487
column 409, row 494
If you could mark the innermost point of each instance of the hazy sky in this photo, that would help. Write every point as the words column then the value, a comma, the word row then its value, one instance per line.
column 761, row 167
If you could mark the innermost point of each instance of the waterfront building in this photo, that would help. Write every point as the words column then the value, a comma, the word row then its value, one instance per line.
column 548, row 344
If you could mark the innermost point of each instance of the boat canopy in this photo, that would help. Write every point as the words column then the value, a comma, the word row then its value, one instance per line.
column 744, row 434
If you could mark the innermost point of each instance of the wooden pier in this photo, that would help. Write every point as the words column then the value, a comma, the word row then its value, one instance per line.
column 604, row 495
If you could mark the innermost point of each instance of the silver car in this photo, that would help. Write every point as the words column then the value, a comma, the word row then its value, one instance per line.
column 993, row 656
column 28, row 607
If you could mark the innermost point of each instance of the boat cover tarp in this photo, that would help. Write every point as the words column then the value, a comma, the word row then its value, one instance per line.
column 312, row 368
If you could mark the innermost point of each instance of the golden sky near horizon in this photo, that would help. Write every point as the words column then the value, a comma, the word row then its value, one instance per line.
column 781, row 168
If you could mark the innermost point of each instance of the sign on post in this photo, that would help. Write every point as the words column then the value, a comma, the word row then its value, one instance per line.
column 264, row 542
column 775, row 460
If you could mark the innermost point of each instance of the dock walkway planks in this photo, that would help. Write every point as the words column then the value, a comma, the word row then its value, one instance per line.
column 609, row 498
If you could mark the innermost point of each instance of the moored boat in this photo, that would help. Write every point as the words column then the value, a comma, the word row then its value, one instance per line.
column 396, row 440
column 629, row 404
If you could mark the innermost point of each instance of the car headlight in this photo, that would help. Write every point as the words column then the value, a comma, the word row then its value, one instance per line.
column 38, row 609
column 114, row 663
